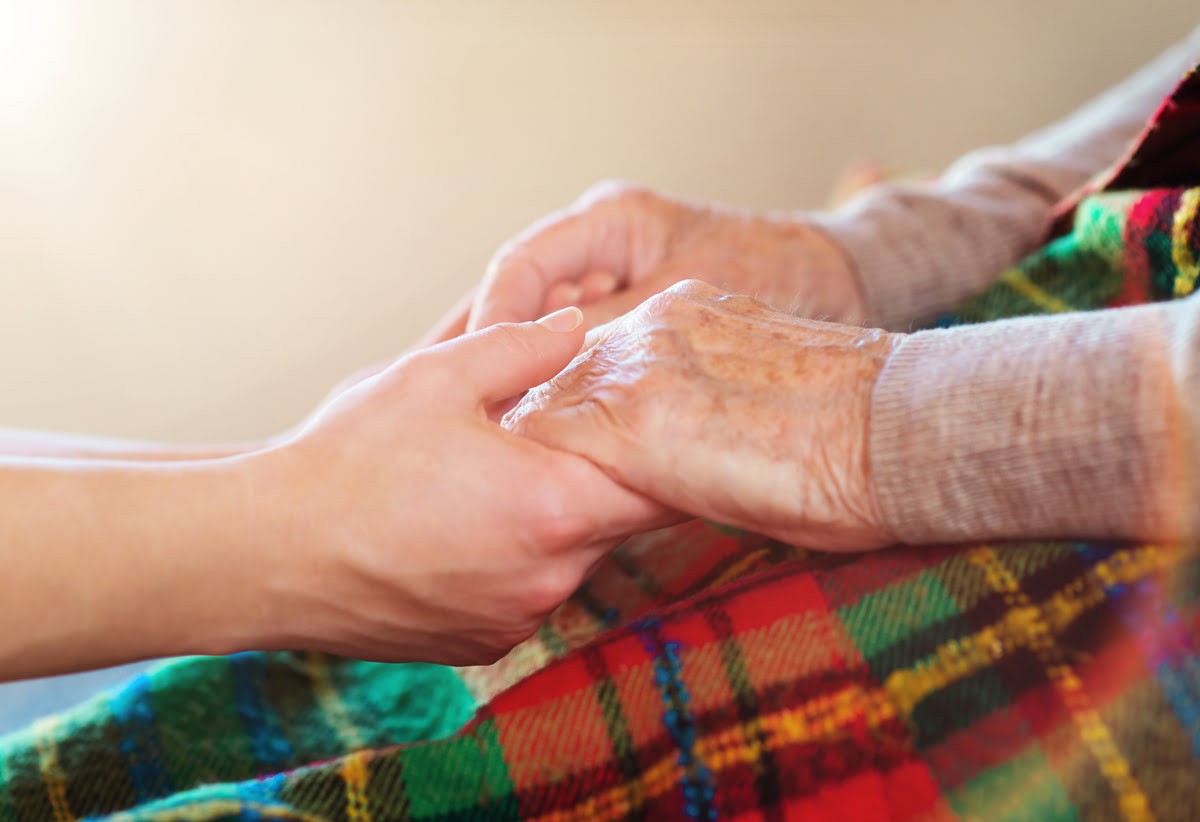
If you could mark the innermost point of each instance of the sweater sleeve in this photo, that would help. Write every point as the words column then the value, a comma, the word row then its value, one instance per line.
column 918, row 249
column 1079, row 425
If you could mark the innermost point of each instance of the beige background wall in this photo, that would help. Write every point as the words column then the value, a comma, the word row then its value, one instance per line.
column 211, row 210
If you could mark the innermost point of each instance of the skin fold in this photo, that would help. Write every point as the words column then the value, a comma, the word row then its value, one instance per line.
column 721, row 407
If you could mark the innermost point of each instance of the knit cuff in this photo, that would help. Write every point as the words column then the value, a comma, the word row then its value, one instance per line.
column 921, row 249
column 1040, row 427
column 887, row 272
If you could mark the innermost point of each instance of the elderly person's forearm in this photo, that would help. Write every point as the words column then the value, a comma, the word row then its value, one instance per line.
column 895, row 256
column 1081, row 425
column 842, row 438
column 919, row 249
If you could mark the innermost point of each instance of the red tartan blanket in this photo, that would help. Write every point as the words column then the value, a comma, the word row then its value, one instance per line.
column 707, row 674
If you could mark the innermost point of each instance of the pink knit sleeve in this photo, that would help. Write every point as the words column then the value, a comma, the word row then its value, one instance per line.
column 920, row 249
column 1079, row 425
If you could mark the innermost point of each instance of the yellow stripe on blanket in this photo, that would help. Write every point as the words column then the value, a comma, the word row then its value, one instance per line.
column 1181, row 250
column 1015, row 279
column 52, row 774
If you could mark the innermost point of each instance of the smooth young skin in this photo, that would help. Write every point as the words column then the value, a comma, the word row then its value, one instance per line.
column 436, row 534
column 398, row 523
column 724, row 408
column 618, row 245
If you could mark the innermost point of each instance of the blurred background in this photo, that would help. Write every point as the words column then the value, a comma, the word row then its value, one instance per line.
column 210, row 211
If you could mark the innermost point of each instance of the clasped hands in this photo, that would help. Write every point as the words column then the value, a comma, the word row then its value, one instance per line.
column 718, row 406
column 438, row 534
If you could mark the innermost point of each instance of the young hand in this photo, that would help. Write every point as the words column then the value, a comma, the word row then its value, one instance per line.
column 414, row 528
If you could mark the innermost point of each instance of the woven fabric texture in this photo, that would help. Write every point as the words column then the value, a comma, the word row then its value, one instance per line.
column 708, row 674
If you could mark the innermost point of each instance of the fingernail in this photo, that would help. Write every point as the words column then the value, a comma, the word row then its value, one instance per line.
column 572, row 294
column 563, row 320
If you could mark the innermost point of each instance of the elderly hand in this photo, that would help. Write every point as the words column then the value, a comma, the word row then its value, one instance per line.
column 420, row 530
column 619, row 245
column 723, row 408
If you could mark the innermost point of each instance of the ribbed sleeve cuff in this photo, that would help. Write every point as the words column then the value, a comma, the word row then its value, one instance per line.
column 920, row 249
column 1064, row 426
column 890, row 274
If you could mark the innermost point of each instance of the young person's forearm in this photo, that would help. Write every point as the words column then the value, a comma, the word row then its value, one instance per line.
column 22, row 443
column 107, row 562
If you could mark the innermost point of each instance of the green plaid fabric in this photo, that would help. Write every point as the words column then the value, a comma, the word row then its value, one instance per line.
column 707, row 674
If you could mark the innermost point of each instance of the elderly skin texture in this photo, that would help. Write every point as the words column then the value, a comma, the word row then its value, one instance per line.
column 723, row 408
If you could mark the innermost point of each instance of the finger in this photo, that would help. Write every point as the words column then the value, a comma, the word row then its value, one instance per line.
column 612, row 510
column 503, row 360
column 552, row 417
column 644, row 514
column 621, row 303
column 568, row 415
column 453, row 324
column 562, row 295
column 592, row 286
column 631, row 503
column 497, row 410
column 598, row 284
column 563, row 247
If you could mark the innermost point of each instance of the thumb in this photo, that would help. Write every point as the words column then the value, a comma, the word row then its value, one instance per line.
column 622, row 302
column 504, row 360
column 562, row 248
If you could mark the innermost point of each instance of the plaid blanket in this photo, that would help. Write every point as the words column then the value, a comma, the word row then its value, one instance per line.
column 706, row 674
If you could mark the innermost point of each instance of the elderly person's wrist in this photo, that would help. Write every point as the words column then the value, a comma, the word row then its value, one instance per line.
column 1038, row 427
column 818, row 277
column 918, row 249
column 721, row 407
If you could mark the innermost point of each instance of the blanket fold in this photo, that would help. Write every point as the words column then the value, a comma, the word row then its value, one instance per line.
column 707, row 674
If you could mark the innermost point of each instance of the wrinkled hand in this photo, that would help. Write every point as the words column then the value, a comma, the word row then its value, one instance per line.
column 420, row 530
column 720, row 407
column 618, row 245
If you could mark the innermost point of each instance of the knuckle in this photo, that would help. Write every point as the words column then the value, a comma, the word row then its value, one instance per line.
column 510, row 636
column 549, row 587
column 618, row 193
column 510, row 337
column 739, row 303
column 513, row 255
column 522, row 252
column 684, row 299
column 492, row 649
column 662, row 303
column 639, row 416
column 422, row 370
column 521, row 420
column 694, row 289
column 609, row 189
column 536, row 418
column 677, row 299
column 503, row 254
column 620, row 410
